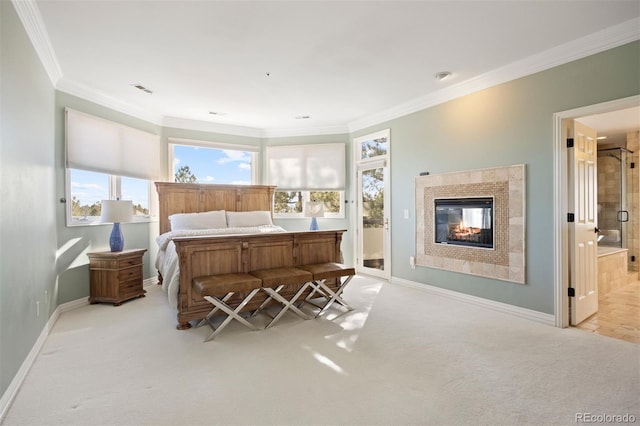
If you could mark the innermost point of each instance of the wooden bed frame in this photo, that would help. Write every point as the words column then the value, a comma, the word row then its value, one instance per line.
column 220, row 254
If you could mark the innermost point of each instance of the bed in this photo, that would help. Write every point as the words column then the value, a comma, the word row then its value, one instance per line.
column 208, row 245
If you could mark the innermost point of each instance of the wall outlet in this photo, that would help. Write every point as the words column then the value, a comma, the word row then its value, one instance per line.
column 412, row 262
column 37, row 309
column 406, row 213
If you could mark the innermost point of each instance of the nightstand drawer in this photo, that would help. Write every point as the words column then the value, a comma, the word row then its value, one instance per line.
column 116, row 263
column 134, row 273
column 128, row 288
column 131, row 261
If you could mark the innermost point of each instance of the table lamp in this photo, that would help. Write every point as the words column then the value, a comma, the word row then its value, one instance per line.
column 314, row 209
column 116, row 212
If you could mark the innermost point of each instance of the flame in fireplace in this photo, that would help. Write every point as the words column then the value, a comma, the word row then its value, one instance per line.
column 462, row 232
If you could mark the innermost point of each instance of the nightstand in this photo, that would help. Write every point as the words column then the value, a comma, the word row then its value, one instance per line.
column 115, row 276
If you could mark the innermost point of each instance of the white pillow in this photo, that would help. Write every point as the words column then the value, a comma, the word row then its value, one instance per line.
column 206, row 220
column 254, row 218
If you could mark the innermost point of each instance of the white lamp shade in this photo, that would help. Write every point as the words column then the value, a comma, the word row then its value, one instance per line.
column 116, row 211
column 314, row 209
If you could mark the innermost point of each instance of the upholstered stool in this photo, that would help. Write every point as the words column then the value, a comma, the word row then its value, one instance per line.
column 218, row 290
column 325, row 271
column 278, row 282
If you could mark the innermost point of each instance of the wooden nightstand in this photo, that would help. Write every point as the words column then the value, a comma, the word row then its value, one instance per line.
column 115, row 276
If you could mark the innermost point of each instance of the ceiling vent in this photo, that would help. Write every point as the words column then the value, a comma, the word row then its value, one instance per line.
column 142, row 88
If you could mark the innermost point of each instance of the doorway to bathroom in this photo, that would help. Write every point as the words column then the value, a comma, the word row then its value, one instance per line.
column 617, row 218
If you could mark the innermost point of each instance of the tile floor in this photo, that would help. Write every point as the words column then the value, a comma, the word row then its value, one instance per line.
column 618, row 314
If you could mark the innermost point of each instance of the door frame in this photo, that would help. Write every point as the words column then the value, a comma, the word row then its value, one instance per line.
column 561, row 199
column 355, row 219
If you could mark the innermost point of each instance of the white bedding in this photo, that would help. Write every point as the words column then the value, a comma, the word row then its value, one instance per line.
column 167, row 260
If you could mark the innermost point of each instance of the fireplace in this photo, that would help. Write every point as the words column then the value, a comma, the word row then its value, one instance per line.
column 464, row 221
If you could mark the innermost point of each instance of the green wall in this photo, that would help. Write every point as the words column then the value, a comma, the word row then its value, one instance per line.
column 28, row 198
column 504, row 125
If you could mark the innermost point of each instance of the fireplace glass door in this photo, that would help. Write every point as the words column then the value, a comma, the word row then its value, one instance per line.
column 464, row 221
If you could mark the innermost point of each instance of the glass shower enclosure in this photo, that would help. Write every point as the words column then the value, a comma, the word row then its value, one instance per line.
column 613, row 194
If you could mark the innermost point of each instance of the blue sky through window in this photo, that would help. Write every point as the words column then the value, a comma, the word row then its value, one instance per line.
column 214, row 165
column 92, row 187
column 89, row 187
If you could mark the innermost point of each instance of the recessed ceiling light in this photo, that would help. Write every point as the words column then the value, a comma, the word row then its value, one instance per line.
column 443, row 75
column 600, row 138
column 142, row 88
column 302, row 117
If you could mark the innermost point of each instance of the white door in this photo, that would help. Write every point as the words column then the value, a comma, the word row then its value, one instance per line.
column 583, row 231
column 373, row 241
column 373, row 221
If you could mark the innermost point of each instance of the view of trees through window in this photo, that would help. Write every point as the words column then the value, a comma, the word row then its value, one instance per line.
column 287, row 202
column 88, row 189
column 373, row 183
column 81, row 211
column 373, row 148
column 184, row 175
column 373, row 197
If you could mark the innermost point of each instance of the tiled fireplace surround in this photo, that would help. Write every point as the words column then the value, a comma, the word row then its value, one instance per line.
column 506, row 261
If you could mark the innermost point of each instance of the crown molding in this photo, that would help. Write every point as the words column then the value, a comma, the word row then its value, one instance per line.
column 100, row 98
column 230, row 129
column 207, row 126
column 31, row 19
column 591, row 44
column 307, row 131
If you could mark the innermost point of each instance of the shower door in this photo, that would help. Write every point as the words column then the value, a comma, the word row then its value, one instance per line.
column 612, row 198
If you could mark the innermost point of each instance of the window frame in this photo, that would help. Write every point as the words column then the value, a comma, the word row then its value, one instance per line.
column 114, row 183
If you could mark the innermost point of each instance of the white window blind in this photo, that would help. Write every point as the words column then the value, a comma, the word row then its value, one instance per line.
column 307, row 167
column 101, row 145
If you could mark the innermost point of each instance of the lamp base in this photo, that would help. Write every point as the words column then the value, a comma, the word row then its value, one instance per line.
column 116, row 241
column 314, row 224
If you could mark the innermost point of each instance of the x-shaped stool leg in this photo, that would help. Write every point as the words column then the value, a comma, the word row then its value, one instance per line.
column 231, row 314
column 286, row 304
column 333, row 296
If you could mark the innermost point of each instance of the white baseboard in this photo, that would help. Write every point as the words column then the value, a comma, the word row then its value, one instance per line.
column 517, row 311
column 11, row 392
column 149, row 282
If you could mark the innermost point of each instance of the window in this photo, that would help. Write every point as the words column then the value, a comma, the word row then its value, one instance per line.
column 87, row 189
column 376, row 146
column 136, row 190
column 290, row 204
column 107, row 160
column 307, row 173
column 208, row 162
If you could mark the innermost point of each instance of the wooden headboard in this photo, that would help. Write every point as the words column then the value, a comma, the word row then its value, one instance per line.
column 196, row 198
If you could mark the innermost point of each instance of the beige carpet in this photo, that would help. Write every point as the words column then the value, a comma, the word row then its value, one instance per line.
column 404, row 356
